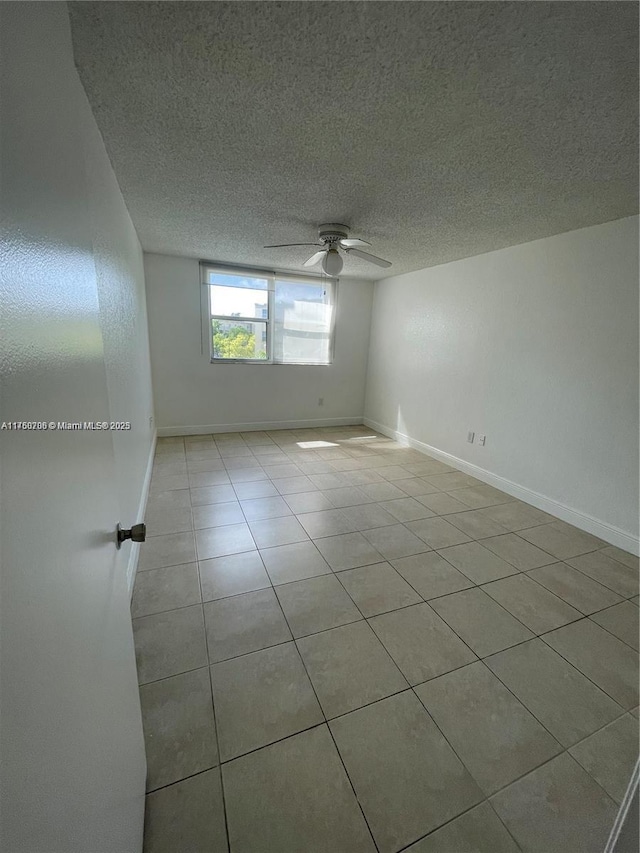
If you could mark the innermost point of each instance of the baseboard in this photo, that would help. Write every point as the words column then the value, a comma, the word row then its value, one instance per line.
column 134, row 553
column 207, row 429
column 601, row 529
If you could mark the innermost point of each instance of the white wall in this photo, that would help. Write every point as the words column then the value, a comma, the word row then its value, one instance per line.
column 119, row 267
column 193, row 395
column 537, row 347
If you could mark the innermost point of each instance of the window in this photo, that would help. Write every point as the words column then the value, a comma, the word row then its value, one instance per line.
column 268, row 318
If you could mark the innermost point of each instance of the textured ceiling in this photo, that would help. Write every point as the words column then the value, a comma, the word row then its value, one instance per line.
column 436, row 130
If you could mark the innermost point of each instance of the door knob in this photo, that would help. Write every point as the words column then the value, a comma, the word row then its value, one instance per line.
column 137, row 533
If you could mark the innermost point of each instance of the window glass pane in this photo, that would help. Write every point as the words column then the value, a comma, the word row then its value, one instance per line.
column 239, row 302
column 238, row 281
column 241, row 339
column 303, row 314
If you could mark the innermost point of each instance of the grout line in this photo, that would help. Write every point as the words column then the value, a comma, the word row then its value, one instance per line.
column 337, row 573
column 173, row 675
column 252, row 652
column 385, row 463
column 162, row 613
column 589, row 576
column 588, row 677
column 215, row 722
column 322, row 711
column 548, row 761
column 609, row 631
column 586, row 615
column 382, row 699
column 451, row 820
column 563, row 750
column 309, row 728
column 506, row 828
column 521, row 703
column 220, row 776
column 623, row 711
column 182, row 779
column 355, row 793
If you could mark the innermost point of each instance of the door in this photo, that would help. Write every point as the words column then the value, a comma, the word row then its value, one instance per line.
column 72, row 753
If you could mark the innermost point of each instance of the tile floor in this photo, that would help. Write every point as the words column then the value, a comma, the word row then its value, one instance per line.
column 345, row 646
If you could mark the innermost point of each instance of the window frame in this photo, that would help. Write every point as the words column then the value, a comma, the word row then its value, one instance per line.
column 271, row 276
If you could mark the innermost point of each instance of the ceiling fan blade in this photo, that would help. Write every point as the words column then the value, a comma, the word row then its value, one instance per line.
column 284, row 245
column 352, row 242
column 315, row 259
column 371, row 258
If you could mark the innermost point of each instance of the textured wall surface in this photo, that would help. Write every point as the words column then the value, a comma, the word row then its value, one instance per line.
column 123, row 320
column 535, row 346
column 71, row 740
column 189, row 391
column 436, row 130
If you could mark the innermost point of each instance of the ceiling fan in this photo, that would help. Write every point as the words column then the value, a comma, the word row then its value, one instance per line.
column 331, row 237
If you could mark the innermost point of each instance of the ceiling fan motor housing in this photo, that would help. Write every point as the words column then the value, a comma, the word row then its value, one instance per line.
column 331, row 232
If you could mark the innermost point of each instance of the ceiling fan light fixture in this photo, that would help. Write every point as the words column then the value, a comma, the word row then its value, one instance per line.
column 332, row 262
column 333, row 237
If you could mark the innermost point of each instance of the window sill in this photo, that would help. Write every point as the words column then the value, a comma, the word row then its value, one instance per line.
column 261, row 362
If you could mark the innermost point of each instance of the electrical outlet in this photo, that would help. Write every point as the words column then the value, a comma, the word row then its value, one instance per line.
column 470, row 437
column 482, row 439
column 321, row 401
